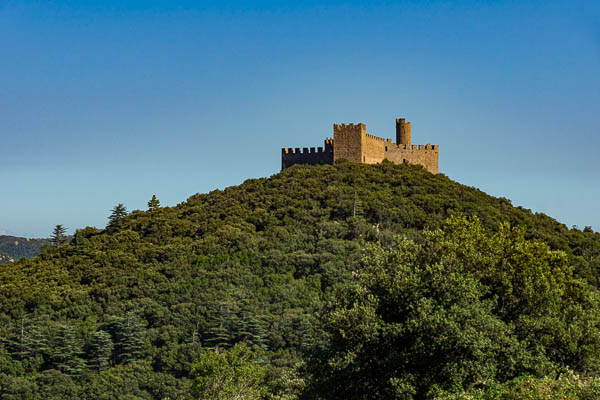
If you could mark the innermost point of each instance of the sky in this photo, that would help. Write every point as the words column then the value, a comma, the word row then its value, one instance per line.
column 106, row 102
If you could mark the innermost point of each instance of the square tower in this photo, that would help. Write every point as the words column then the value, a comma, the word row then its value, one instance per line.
column 348, row 141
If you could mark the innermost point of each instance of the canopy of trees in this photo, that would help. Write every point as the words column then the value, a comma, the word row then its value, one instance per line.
column 278, row 264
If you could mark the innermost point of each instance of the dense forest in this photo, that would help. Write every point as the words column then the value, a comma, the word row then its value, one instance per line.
column 323, row 282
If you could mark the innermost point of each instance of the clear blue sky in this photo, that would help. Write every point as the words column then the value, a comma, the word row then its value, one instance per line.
column 102, row 103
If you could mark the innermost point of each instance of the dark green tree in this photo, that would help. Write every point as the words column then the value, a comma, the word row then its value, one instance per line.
column 26, row 342
column 58, row 235
column 100, row 351
column 128, row 335
column 458, row 308
column 117, row 214
column 220, row 331
column 66, row 352
column 153, row 203
column 251, row 331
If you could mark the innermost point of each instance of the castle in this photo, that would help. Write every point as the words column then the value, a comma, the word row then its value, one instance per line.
column 352, row 142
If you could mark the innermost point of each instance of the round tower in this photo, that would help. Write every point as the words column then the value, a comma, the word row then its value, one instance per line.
column 402, row 131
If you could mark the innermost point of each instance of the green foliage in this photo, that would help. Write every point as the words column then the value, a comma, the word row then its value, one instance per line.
column 568, row 386
column 66, row 351
column 458, row 307
column 229, row 374
column 128, row 335
column 58, row 236
column 153, row 203
column 256, row 264
column 116, row 215
column 101, row 350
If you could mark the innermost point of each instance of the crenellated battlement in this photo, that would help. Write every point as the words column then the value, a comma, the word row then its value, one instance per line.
column 304, row 150
column 416, row 147
column 352, row 142
column 369, row 136
column 349, row 128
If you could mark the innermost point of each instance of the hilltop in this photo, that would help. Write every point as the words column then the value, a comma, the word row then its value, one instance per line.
column 127, row 310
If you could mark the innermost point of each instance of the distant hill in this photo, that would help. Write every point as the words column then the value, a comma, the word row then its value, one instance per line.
column 5, row 258
column 124, row 312
column 18, row 247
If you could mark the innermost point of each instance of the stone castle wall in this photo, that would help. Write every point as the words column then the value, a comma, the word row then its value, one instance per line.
column 353, row 143
column 374, row 149
column 426, row 155
column 306, row 155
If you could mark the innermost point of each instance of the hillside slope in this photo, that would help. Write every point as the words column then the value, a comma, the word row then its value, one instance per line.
column 255, row 263
column 5, row 258
column 17, row 247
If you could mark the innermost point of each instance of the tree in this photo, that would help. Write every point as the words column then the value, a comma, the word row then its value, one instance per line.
column 58, row 235
column 117, row 214
column 154, row 203
column 459, row 307
column 251, row 331
column 66, row 352
column 219, row 333
column 26, row 342
column 229, row 374
column 128, row 335
column 100, row 352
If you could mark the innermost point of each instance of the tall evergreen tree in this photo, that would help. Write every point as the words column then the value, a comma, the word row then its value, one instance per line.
column 128, row 335
column 251, row 331
column 101, row 348
column 58, row 235
column 66, row 352
column 26, row 341
column 154, row 203
column 117, row 214
column 219, row 334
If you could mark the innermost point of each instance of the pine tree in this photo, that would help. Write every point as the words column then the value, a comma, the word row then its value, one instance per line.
column 101, row 348
column 26, row 340
column 307, row 339
column 66, row 352
column 251, row 331
column 219, row 333
column 357, row 209
column 128, row 336
column 154, row 203
column 58, row 235
column 117, row 214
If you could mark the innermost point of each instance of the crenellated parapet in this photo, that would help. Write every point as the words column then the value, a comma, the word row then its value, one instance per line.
column 348, row 128
column 417, row 147
column 303, row 150
column 307, row 155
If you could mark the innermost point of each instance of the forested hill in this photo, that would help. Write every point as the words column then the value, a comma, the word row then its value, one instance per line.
column 5, row 258
column 17, row 247
column 127, row 311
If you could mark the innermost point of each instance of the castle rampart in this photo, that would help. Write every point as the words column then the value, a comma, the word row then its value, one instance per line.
column 353, row 143
column 312, row 155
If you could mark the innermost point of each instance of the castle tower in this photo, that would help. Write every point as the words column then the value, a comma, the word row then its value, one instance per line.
column 348, row 141
column 402, row 131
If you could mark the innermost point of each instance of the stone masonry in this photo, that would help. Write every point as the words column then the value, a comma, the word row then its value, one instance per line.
column 353, row 143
